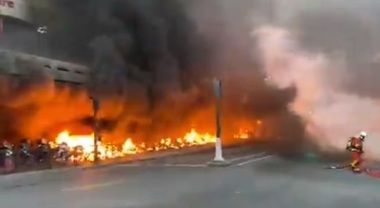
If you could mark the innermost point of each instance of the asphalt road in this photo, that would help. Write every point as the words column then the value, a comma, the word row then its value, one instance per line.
column 253, row 180
column 201, row 159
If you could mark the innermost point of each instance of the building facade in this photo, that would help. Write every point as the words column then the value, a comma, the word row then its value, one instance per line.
column 24, row 48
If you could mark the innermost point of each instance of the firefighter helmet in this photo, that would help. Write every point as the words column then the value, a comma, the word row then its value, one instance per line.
column 362, row 135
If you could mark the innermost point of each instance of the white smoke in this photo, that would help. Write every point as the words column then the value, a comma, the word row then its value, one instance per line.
column 330, row 114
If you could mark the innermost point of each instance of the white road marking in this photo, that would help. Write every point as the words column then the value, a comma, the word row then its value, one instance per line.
column 254, row 160
column 129, row 165
column 185, row 165
column 246, row 157
column 92, row 186
column 162, row 165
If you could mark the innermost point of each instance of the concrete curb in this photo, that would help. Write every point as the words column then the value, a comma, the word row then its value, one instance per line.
column 215, row 163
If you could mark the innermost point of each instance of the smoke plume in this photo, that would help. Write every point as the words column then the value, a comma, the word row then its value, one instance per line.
column 331, row 114
column 151, row 64
column 329, row 55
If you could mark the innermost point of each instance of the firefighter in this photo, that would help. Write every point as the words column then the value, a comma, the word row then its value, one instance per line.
column 355, row 146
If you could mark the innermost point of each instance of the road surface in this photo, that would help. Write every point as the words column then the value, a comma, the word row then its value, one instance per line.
column 253, row 180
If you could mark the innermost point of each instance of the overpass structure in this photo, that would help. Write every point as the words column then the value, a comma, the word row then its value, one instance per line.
column 22, row 64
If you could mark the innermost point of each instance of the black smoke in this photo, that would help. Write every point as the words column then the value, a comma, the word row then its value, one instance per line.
column 152, row 62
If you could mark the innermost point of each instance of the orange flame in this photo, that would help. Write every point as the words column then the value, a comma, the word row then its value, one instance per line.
column 106, row 151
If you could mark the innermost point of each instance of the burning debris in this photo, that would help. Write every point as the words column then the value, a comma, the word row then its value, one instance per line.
column 84, row 145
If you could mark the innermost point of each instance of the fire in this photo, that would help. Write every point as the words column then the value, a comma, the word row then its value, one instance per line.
column 83, row 146
column 250, row 131
column 243, row 134
column 129, row 147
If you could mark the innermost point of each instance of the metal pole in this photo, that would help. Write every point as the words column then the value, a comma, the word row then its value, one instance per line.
column 95, row 106
column 218, row 142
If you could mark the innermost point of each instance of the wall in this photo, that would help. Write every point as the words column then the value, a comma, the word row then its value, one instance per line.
column 18, row 9
column 22, row 64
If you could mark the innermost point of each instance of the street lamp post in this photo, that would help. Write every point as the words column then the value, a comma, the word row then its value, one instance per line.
column 95, row 107
column 218, row 159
